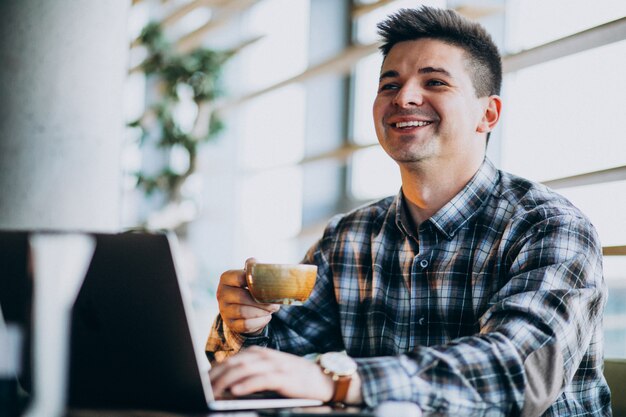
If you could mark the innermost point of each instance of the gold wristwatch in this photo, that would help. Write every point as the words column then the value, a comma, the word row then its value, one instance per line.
column 340, row 367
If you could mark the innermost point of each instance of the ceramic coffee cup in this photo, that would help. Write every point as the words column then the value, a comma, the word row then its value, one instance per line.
column 288, row 284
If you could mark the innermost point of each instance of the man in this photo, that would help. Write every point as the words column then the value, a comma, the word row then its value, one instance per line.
column 472, row 292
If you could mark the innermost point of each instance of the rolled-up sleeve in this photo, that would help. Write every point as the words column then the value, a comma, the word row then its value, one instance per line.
column 223, row 342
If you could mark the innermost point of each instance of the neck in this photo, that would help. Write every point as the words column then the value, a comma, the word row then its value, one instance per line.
column 429, row 187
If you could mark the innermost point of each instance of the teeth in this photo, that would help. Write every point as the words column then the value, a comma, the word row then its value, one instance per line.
column 412, row 123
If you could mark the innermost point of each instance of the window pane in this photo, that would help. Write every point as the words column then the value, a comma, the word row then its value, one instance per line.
column 270, row 212
column 365, row 88
column 272, row 133
column 282, row 52
column 366, row 31
column 615, row 312
column 605, row 204
column 569, row 110
column 324, row 185
column 374, row 174
column 325, row 114
column 532, row 22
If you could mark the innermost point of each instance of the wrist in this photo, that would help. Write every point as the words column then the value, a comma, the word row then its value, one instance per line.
column 328, row 386
column 259, row 338
column 253, row 333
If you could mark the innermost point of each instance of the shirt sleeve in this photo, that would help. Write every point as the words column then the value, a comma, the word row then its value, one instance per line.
column 533, row 337
column 223, row 342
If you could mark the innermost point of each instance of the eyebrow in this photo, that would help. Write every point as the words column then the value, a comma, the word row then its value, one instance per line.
column 429, row 70
column 425, row 70
column 388, row 74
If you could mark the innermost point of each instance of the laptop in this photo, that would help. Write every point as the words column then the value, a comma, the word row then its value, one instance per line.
column 132, row 345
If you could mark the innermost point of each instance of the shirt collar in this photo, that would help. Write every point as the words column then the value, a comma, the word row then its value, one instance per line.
column 466, row 204
column 403, row 222
column 463, row 206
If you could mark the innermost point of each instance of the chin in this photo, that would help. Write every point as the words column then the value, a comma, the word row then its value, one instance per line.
column 409, row 158
column 411, row 155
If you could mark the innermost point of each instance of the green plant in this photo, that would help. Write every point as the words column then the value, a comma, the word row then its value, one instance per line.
column 198, row 71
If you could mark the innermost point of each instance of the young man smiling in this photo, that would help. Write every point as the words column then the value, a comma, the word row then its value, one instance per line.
column 471, row 292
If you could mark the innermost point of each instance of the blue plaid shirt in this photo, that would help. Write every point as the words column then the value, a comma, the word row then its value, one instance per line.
column 491, row 307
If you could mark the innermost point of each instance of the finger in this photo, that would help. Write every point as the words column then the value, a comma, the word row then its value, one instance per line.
column 233, row 278
column 215, row 373
column 256, row 383
column 251, row 353
column 237, row 368
column 217, row 370
column 279, row 383
column 246, row 312
column 234, row 295
column 241, row 297
column 248, row 325
column 250, row 322
column 232, row 312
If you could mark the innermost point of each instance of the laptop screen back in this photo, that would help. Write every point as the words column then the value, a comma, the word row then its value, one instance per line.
column 131, row 344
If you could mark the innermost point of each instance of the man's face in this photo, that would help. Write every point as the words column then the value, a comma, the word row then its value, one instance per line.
column 426, row 108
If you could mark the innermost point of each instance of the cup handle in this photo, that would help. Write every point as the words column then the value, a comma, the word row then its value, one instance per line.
column 247, row 274
column 247, row 269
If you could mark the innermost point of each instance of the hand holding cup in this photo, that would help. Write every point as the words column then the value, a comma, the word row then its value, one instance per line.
column 246, row 306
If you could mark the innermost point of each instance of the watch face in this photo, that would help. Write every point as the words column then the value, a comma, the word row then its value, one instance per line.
column 338, row 363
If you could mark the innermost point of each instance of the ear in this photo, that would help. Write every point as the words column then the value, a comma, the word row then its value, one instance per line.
column 491, row 114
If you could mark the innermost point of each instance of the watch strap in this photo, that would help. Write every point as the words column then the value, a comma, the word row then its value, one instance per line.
column 342, row 384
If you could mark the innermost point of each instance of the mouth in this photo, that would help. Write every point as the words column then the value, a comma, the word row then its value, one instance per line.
column 410, row 124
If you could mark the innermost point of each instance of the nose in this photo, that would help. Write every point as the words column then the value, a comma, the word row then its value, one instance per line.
column 408, row 95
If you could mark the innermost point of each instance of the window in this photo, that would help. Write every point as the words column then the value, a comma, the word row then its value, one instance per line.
column 366, row 31
column 564, row 118
column 571, row 110
column 365, row 88
column 375, row 175
column 530, row 23
column 271, row 132
column 282, row 51
column 605, row 204
column 615, row 312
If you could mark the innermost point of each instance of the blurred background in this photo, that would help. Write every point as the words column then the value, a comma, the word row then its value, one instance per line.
column 244, row 125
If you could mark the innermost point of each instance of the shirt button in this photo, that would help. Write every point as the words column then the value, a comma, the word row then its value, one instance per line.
column 423, row 263
column 421, row 321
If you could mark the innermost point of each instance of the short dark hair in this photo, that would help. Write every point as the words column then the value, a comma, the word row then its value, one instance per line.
column 450, row 27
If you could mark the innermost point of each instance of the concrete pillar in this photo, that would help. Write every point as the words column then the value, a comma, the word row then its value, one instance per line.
column 62, row 69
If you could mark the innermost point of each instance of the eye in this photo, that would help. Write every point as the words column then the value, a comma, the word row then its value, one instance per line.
column 388, row 87
column 435, row 83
